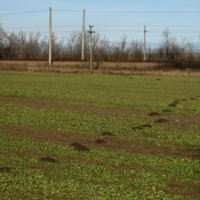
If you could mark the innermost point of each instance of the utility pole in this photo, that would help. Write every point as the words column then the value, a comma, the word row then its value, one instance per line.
column 83, row 36
column 144, row 40
column 91, row 45
column 50, row 38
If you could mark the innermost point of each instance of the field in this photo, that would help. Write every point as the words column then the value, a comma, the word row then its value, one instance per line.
column 95, row 136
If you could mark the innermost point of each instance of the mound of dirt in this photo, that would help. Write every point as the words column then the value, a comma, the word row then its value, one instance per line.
column 161, row 121
column 153, row 114
column 99, row 141
column 174, row 104
column 79, row 147
column 183, row 99
column 48, row 159
column 192, row 99
column 107, row 133
column 166, row 110
column 5, row 169
column 137, row 128
column 146, row 126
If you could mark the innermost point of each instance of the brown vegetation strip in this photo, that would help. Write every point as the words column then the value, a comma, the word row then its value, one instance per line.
column 147, row 70
column 86, row 141
column 70, row 107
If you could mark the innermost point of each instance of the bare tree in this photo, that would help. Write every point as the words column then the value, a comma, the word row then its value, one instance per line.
column 2, row 41
column 136, row 50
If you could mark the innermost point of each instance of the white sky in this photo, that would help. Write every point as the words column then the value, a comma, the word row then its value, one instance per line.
column 181, row 25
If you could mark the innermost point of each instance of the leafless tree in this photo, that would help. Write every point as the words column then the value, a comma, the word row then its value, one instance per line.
column 136, row 50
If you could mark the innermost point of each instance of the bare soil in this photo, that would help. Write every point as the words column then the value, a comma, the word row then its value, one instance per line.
column 85, row 142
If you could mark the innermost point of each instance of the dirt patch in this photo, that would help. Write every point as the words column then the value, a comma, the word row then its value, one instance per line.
column 185, row 81
column 167, row 110
column 79, row 147
column 174, row 104
column 99, row 141
column 146, row 126
column 137, row 128
column 47, row 105
column 183, row 100
column 161, row 121
column 111, row 143
column 106, row 133
column 5, row 169
column 48, row 159
column 153, row 114
column 192, row 99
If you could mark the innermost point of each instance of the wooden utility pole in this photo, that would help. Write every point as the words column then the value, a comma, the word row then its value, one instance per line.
column 50, row 38
column 83, row 36
column 144, row 41
column 91, row 45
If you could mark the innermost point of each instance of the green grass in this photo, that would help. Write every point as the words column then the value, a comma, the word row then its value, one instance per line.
column 31, row 104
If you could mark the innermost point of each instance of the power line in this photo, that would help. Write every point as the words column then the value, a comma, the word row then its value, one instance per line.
column 68, row 11
column 109, row 26
column 24, row 12
column 195, row 11
column 136, row 12
column 125, row 31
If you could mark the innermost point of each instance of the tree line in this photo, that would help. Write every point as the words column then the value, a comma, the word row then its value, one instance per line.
column 31, row 46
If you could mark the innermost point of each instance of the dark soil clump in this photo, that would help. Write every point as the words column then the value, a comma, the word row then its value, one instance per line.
column 146, row 126
column 192, row 99
column 166, row 110
column 153, row 114
column 174, row 104
column 161, row 121
column 185, row 81
column 183, row 99
column 5, row 169
column 99, row 141
column 137, row 128
column 48, row 159
column 79, row 147
column 107, row 133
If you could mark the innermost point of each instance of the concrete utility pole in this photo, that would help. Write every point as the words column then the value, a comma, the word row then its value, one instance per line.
column 144, row 40
column 50, row 38
column 91, row 45
column 83, row 36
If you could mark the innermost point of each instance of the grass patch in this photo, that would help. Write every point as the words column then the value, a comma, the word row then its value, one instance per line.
column 74, row 136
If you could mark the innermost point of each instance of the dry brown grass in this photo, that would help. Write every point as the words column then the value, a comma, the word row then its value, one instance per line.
column 144, row 69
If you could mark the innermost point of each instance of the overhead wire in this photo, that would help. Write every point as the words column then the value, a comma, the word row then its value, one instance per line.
column 23, row 12
column 184, row 26
column 101, row 11
column 104, row 11
column 123, row 31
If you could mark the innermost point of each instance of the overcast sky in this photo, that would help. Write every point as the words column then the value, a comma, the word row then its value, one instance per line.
column 67, row 16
